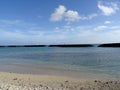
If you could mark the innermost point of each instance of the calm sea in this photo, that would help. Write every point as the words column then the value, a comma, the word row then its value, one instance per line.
column 103, row 60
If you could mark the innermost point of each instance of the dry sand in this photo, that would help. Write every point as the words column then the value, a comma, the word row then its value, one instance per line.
column 13, row 81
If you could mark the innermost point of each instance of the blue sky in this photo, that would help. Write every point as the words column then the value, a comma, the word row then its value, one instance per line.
column 59, row 21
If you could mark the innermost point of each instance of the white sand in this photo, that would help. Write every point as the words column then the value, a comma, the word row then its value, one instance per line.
column 13, row 81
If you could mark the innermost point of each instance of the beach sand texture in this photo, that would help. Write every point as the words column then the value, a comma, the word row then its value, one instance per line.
column 13, row 81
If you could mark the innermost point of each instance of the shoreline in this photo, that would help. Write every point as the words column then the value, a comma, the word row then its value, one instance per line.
column 15, row 81
column 54, row 71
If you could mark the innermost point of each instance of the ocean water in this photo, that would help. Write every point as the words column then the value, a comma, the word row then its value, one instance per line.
column 95, row 59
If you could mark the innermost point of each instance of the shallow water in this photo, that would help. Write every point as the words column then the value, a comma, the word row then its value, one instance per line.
column 92, row 59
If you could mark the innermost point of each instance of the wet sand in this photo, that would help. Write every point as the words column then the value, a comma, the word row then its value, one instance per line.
column 15, row 81
column 27, row 77
column 54, row 71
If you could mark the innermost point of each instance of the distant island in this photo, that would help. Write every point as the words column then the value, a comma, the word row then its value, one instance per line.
column 68, row 45
column 72, row 45
column 62, row 45
column 110, row 45
column 24, row 46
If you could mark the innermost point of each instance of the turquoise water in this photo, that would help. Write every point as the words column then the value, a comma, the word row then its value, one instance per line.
column 105, row 60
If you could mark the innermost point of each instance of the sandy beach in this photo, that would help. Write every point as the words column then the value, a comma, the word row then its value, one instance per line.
column 14, row 81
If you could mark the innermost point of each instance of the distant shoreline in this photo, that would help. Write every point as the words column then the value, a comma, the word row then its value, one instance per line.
column 110, row 45
column 68, row 45
column 61, row 45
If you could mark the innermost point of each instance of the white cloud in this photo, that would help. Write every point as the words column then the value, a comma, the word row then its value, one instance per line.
column 57, row 29
column 58, row 14
column 108, row 9
column 68, row 28
column 79, row 34
column 102, row 27
column 107, row 22
column 91, row 16
column 115, row 27
column 61, row 13
column 10, row 22
column 72, row 16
